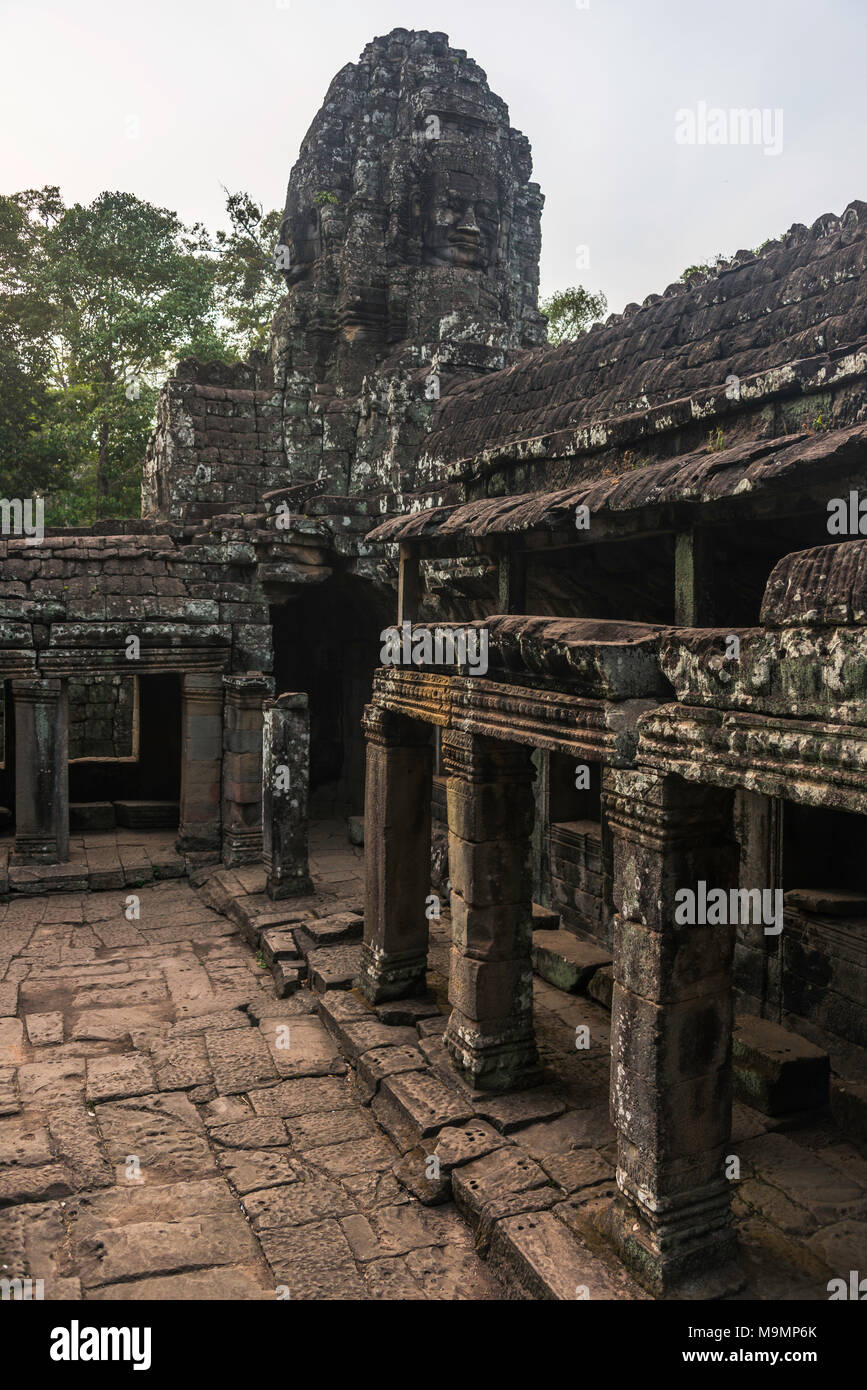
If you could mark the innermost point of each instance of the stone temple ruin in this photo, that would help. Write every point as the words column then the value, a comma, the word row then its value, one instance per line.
column 630, row 774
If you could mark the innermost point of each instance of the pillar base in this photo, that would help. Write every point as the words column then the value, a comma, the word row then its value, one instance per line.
column 288, row 887
column 31, row 851
column 242, row 847
column 686, row 1248
column 384, row 976
column 494, row 1056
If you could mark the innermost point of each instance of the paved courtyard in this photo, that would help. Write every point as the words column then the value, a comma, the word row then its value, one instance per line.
column 170, row 1128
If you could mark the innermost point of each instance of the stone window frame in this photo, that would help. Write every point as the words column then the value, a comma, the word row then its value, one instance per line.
column 135, row 755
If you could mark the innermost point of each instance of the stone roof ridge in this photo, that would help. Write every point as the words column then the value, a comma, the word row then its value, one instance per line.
column 798, row 296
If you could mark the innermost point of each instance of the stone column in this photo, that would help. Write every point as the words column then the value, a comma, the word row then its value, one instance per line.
column 201, row 761
column 242, row 766
column 490, row 813
column 285, row 782
column 41, row 771
column 397, row 839
column 693, row 579
column 671, row 1024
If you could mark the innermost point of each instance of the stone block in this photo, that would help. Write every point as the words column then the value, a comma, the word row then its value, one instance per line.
column 565, row 961
column 91, row 815
column 484, row 990
column 776, row 1071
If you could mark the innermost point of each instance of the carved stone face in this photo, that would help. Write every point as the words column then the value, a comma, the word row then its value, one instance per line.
column 301, row 234
column 463, row 221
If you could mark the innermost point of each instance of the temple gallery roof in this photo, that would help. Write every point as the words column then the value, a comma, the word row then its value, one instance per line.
column 798, row 298
column 700, row 477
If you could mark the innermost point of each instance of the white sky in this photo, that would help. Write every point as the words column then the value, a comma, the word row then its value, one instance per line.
column 169, row 99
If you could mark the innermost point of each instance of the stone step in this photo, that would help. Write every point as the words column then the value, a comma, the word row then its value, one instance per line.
column 545, row 918
column 600, row 986
column 92, row 815
column 147, row 815
column 278, row 943
column 775, row 1071
column 849, row 1108
column 565, row 961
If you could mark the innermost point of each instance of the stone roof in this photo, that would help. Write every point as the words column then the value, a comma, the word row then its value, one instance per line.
column 798, row 299
column 697, row 478
column 822, row 587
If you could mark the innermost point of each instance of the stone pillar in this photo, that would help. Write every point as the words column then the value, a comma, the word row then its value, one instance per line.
column 409, row 585
column 512, row 579
column 201, row 761
column 693, row 579
column 41, row 772
column 490, row 813
column 242, row 766
column 285, row 783
column 397, row 839
column 671, row 1024
column 758, row 958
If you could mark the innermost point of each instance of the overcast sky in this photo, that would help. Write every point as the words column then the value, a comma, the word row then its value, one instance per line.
column 170, row 99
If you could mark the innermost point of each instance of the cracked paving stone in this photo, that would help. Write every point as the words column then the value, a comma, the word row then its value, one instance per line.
column 391, row 1279
column 227, row 1284
column 76, row 1137
column 301, row 1046
column 500, row 1184
column 43, row 1030
column 304, row 1097
column 541, row 1259
column 333, row 967
column 181, row 1063
column 582, row 1168
column 32, row 1239
column 250, row 1169
column 11, row 1042
column 118, row 1076
column 163, row 1132
column 357, row 1156
column 321, row 1129
column 132, row 1233
column 52, row 1083
column 9, row 1102
column 314, row 1262
column 453, row 1272
column 240, row 1060
column 262, row 1132
column 310, row 1198
column 24, row 1141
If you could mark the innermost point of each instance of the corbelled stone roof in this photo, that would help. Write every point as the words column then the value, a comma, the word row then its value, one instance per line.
column 798, row 299
column 696, row 478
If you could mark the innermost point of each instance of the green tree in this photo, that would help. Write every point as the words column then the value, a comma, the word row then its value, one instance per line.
column 249, row 287
column 33, row 455
column 129, row 288
column 570, row 312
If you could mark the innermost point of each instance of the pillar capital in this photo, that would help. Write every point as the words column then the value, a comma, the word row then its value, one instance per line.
column 387, row 729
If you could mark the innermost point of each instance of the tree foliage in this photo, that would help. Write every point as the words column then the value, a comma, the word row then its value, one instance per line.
column 570, row 312
column 96, row 303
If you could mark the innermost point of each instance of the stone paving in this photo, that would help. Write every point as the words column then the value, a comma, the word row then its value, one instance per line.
column 170, row 1128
